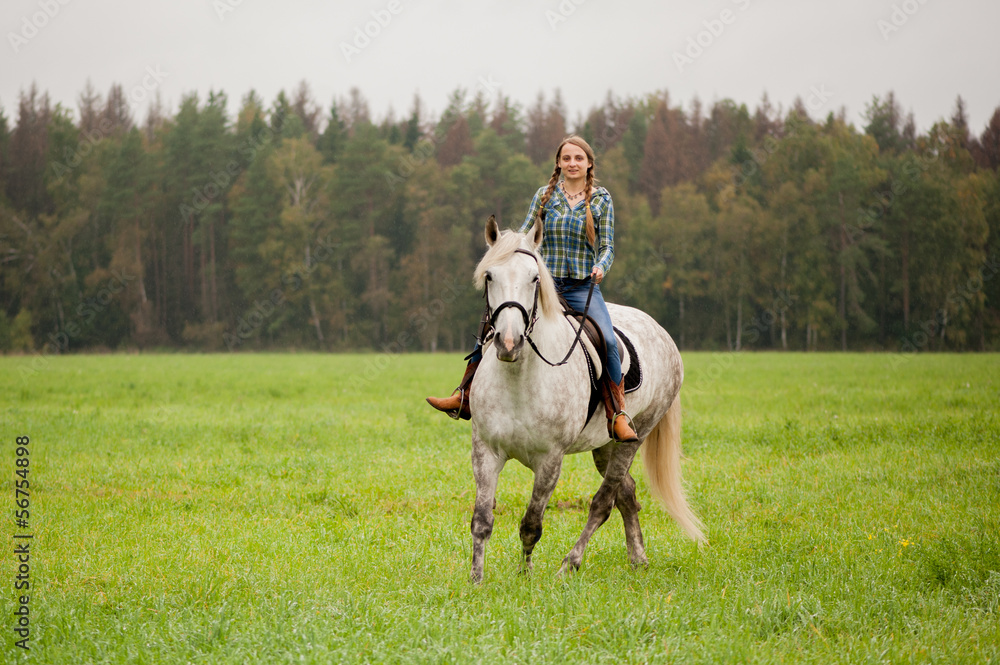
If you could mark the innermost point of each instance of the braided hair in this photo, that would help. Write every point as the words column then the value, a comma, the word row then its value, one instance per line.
column 588, row 189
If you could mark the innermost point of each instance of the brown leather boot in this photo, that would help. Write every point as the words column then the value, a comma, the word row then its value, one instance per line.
column 457, row 405
column 619, row 428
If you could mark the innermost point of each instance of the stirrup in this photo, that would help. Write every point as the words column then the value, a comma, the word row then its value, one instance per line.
column 457, row 413
column 614, row 419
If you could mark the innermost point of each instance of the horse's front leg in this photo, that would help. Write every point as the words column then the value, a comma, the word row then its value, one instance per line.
column 546, row 476
column 486, row 467
column 603, row 502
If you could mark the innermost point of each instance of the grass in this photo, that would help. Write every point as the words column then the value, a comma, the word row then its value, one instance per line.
column 311, row 508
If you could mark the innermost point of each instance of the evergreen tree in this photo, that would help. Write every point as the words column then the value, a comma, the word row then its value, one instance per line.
column 27, row 155
column 885, row 123
column 366, row 205
column 412, row 133
column 634, row 143
column 986, row 149
column 116, row 118
column 332, row 140
column 306, row 109
column 507, row 124
column 737, row 228
column 89, row 104
column 546, row 129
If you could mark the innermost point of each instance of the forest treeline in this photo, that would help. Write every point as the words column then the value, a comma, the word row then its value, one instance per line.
column 288, row 225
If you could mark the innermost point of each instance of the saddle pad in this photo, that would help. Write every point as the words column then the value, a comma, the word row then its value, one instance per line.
column 632, row 370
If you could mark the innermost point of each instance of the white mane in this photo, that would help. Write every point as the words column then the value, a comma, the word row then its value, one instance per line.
column 502, row 250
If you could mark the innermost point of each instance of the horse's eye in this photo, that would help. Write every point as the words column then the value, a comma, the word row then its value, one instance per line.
column 535, row 280
column 489, row 277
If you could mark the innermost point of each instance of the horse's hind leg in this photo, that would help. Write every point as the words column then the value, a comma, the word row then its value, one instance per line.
column 603, row 502
column 546, row 476
column 486, row 467
column 628, row 505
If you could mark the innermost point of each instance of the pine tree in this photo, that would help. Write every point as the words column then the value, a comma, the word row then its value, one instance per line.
column 457, row 143
column 546, row 129
column 331, row 141
column 27, row 154
column 885, row 123
column 89, row 103
column 986, row 149
column 412, row 133
column 116, row 118
column 306, row 109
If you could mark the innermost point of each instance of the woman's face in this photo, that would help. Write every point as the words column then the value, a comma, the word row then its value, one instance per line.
column 573, row 161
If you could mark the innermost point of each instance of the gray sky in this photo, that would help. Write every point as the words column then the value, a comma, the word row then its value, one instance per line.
column 832, row 53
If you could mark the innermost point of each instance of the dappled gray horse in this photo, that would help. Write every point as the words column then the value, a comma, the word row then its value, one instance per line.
column 523, row 408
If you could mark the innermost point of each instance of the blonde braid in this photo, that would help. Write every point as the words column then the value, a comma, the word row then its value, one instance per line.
column 591, row 233
column 553, row 181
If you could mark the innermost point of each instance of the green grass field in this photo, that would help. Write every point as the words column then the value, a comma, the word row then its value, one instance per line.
column 309, row 508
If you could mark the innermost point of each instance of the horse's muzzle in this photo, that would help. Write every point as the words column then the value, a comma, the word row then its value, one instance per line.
column 508, row 348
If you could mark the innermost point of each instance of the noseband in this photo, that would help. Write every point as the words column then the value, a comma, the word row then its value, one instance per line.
column 529, row 319
column 489, row 329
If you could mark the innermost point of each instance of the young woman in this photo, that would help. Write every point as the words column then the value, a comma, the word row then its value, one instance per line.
column 578, row 247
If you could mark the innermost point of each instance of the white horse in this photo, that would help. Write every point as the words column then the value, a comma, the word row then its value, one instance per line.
column 525, row 409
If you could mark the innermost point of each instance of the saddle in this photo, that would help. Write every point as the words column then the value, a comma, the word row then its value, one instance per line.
column 596, row 353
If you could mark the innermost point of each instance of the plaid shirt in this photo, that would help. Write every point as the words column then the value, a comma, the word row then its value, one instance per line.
column 564, row 245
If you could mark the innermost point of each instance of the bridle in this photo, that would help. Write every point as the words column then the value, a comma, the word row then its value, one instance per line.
column 529, row 319
column 489, row 329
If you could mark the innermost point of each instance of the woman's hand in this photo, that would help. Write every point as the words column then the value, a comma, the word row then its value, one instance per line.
column 597, row 274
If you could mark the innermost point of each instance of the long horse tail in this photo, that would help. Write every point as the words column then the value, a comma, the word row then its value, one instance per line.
column 661, row 455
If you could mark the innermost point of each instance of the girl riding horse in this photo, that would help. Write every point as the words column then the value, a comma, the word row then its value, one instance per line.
column 578, row 249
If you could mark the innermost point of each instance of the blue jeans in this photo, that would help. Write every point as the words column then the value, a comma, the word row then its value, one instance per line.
column 575, row 293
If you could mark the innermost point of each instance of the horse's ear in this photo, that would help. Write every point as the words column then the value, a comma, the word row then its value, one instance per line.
column 538, row 233
column 492, row 230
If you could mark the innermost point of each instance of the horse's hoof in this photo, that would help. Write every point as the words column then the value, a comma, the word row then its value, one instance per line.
column 476, row 578
column 567, row 569
column 640, row 564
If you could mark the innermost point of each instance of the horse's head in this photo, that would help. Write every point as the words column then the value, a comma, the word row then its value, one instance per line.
column 514, row 279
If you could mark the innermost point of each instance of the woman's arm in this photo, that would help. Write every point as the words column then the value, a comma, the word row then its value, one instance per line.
column 604, row 218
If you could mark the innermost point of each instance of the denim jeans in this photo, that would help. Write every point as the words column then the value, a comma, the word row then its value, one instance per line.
column 575, row 293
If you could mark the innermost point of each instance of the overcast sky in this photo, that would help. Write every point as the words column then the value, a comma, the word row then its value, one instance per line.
column 832, row 53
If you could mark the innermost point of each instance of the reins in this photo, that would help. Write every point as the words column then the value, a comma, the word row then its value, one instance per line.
column 529, row 319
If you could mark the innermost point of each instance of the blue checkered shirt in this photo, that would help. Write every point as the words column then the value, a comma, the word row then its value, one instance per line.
column 564, row 245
